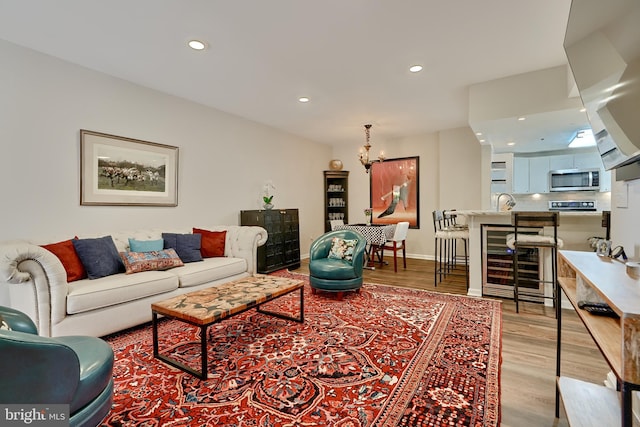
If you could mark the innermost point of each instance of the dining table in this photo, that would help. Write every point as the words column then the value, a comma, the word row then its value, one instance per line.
column 375, row 234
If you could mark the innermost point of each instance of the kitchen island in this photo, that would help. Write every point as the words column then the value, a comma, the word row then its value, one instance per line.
column 574, row 229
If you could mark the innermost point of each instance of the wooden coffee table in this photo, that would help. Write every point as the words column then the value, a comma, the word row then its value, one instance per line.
column 207, row 306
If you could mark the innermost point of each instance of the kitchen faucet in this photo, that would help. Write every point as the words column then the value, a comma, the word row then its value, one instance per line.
column 511, row 202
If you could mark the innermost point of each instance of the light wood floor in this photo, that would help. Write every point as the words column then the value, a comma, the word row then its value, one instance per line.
column 528, row 347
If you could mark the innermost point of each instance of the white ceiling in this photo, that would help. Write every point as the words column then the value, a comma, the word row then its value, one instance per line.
column 350, row 57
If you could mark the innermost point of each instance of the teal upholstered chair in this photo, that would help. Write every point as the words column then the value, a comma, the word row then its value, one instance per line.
column 332, row 274
column 73, row 370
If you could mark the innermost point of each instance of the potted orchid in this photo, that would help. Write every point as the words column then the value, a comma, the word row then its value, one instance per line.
column 267, row 197
column 368, row 212
column 267, row 201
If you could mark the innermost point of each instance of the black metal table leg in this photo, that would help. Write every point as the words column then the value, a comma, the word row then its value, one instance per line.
column 154, row 326
column 558, row 350
column 299, row 319
column 203, row 351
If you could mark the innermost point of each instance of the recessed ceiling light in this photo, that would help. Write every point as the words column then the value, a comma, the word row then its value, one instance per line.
column 303, row 99
column 521, row 118
column 415, row 68
column 479, row 133
column 196, row 45
column 511, row 143
column 582, row 110
column 482, row 140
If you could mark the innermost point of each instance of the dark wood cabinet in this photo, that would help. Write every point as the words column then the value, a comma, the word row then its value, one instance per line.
column 336, row 197
column 282, row 249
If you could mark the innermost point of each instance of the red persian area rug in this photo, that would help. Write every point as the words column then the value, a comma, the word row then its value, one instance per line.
column 385, row 356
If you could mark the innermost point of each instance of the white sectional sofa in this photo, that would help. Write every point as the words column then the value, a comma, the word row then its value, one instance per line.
column 34, row 281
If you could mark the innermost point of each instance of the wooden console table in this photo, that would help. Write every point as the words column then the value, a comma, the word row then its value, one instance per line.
column 587, row 276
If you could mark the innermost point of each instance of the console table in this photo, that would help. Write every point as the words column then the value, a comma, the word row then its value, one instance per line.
column 587, row 276
column 282, row 249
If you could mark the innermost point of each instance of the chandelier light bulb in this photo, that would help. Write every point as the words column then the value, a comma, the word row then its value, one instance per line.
column 364, row 151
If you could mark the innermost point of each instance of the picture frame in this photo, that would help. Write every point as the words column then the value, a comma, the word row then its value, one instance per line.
column 394, row 191
column 603, row 247
column 120, row 171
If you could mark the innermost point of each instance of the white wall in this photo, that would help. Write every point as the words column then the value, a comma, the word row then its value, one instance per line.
column 625, row 223
column 521, row 94
column 224, row 159
column 460, row 170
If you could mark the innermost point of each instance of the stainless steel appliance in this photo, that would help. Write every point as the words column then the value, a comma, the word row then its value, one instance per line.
column 574, row 180
column 573, row 205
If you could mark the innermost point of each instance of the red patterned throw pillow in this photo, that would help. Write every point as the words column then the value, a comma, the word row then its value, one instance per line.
column 213, row 242
column 66, row 253
column 135, row 262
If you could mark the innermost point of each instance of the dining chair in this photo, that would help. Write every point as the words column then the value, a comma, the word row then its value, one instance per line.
column 396, row 243
column 335, row 222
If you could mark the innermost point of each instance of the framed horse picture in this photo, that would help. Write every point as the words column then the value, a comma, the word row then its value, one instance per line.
column 120, row 171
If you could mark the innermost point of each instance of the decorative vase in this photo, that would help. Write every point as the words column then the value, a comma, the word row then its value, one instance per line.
column 268, row 206
column 335, row 165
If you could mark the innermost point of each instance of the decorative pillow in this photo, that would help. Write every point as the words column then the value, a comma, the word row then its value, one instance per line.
column 145, row 245
column 66, row 253
column 136, row 262
column 99, row 256
column 187, row 246
column 213, row 242
column 342, row 248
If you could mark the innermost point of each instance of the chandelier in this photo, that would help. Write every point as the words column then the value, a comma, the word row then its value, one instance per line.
column 364, row 152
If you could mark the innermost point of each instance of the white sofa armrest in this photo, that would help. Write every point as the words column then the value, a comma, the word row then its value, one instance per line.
column 242, row 241
column 41, row 280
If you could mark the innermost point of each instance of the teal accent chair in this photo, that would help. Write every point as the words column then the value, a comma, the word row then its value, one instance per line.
column 73, row 370
column 336, row 275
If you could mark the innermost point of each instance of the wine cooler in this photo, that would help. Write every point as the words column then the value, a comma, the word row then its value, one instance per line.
column 497, row 265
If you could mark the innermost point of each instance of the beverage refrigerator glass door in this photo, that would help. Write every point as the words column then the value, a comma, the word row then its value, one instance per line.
column 574, row 180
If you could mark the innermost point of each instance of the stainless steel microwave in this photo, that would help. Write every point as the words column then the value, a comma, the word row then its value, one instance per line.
column 574, row 180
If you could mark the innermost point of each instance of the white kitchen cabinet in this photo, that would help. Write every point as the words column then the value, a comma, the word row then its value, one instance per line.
column 501, row 173
column 587, row 161
column 530, row 175
column 539, row 174
column 583, row 160
column 521, row 175
column 562, row 161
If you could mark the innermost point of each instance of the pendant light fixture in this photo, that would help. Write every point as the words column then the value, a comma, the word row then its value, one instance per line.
column 364, row 151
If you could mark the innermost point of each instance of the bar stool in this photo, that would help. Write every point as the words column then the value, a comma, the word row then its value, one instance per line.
column 522, row 240
column 447, row 232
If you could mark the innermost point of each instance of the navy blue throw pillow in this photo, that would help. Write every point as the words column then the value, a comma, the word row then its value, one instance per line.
column 99, row 256
column 187, row 246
